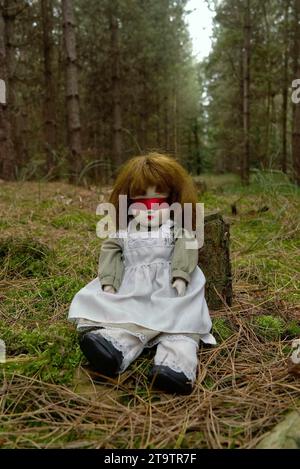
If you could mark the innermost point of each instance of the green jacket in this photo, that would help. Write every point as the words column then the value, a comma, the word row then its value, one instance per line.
column 111, row 265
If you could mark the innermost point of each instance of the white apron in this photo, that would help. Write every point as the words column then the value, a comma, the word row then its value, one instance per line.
column 146, row 296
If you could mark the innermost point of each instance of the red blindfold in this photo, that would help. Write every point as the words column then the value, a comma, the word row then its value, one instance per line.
column 149, row 203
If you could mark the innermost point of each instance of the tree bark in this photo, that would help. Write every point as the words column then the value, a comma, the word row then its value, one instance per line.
column 197, row 150
column 49, row 93
column 72, row 93
column 285, row 88
column 158, row 121
column 166, row 124
column 116, row 92
column 175, row 123
column 214, row 260
column 296, row 113
column 245, row 166
column 241, row 116
column 7, row 151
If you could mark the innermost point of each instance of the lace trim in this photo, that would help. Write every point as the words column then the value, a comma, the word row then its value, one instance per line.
column 205, row 338
column 172, row 338
column 129, row 352
column 121, row 347
column 149, row 264
column 102, row 326
column 188, row 372
column 138, row 335
column 147, row 243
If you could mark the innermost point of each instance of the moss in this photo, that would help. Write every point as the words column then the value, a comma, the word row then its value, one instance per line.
column 52, row 352
column 26, row 257
column 208, row 382
column 61, row 289
column 42, row 300
column 293, row 329
column 269, row 327
column 221, row 329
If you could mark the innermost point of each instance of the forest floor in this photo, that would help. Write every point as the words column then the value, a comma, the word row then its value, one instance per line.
column 49, row 250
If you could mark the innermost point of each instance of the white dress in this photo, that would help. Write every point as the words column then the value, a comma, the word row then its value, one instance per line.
column 146, row 296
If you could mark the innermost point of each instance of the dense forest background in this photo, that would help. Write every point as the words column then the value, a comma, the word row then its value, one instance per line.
column 91, row 83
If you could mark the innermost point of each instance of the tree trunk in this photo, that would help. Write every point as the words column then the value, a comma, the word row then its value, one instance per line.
column 49, row 96
column 296, row 113
column 264, row 153
column 11, row 11
column 166, row 124
column 116, row 92
column 175, row 123
column 266, row 146
column 285, row 88
column 197, row 151
column 245, row 166
column 239, row 163
column 72, row 93
column 214, row 260
column 7, row 151
column 22, row 137
column 144, row 100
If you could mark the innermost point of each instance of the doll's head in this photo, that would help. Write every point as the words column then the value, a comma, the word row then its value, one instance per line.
column 151, row 209
column 154, row 180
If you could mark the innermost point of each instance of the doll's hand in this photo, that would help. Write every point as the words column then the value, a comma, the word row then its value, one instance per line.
column 180, row 285
column 109, row 289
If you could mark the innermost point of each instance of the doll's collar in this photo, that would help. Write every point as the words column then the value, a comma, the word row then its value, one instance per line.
column 163, row 229
column 167, row 223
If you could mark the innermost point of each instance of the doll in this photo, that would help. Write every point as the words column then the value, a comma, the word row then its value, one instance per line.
column 149, row 290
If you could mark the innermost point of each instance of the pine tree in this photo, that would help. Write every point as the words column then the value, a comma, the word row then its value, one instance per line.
column 7, row 151
column 72, row 92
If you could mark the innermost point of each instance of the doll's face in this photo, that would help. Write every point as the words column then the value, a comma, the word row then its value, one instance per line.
column 155, row 210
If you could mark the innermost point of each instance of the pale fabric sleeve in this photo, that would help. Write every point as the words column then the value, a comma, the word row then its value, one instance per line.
column 111, row 265
column 184, row 261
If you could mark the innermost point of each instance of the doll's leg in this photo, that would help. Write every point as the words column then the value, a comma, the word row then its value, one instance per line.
column 175, row 363
column 112, row 349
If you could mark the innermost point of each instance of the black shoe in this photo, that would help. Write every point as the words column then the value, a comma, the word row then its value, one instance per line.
column 170, row 381
column 102, row 355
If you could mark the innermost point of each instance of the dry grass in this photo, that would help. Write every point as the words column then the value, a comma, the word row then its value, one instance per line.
column 243, row 387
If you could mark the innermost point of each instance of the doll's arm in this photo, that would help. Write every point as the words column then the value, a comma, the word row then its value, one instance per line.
column 111, row 266
column 184, row 262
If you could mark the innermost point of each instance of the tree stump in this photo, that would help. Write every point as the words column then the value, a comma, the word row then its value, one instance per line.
column 214, row 260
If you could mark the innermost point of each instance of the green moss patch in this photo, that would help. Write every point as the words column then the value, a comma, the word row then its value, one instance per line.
column 50, row 353
column 25, row 257
column 269, row 327
column 222, row 329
